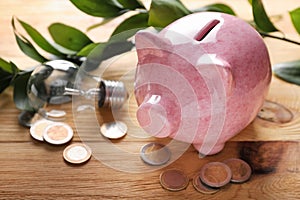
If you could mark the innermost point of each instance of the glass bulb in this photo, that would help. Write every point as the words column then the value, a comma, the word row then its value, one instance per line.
column 53, row 83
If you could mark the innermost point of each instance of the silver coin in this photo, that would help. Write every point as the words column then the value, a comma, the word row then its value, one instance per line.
column 155, row 154
column 77, row 153
column 114, row 130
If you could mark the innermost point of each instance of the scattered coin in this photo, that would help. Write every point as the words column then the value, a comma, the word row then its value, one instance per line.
column 200, row 187
column 241, row 171
column 77, row 153
column 274, row 112
column 155, row 154
column 58, row 133
column 56, row 113
column 215, row 174
column 173, row 180
column 114, row 130
column 38, row 128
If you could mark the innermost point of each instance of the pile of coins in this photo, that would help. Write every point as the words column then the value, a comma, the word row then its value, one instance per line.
column 211, row 177
column 59, row 133
column 56, row 133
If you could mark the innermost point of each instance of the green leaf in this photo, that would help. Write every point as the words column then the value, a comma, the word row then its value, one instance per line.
column 105, row 51
column 98, row 8
column 5, row 66
column 131, row 4
column 68, row 37
column 261, row 18
column 39, row 39
column 5, row 79
column 295, row 16
column 26, row 47
column 135, row 22
column 8, row 72
column 217, row 8
column 105, row 21
column 289, row 71
column 85, row 51
column 20, row 92
column 164, row 12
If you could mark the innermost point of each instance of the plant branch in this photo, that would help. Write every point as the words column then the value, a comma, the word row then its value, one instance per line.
column 279, row 38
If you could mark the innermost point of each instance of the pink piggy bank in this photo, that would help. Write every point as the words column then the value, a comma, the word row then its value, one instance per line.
column 201, row 80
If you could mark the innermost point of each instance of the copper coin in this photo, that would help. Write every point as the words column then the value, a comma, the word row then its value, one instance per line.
column 215, row 174
column 114, row 130
column 173, row 180
column 155, row 154
column 58, row 133
column 274, row 112
column 200, row 187
column 241, row 171
column 77, row 153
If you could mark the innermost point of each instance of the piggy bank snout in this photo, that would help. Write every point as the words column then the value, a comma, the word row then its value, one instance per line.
column 158, row 111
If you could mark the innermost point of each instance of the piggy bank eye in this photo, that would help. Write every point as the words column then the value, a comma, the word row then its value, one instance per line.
column 206, row 29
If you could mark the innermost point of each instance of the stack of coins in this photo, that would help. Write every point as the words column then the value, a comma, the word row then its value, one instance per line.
column 211, row 177
column 56, row 133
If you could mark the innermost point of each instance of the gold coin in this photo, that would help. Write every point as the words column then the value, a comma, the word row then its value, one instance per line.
column 215, row 174
column 200, row 187
column 58, row 133
column 274, row 112
column 155, row 154
column 173, row 180
column 77, row 153
column 241, row 171
column 114, row 130
column 38, row 128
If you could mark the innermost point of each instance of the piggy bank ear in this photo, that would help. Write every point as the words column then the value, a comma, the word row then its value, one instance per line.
column 146, row 39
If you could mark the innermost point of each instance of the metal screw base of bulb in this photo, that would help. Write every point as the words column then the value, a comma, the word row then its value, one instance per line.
column 109, row 93
column 115, row 94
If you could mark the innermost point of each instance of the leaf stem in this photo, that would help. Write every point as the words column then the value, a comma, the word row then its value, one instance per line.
column 279, row 38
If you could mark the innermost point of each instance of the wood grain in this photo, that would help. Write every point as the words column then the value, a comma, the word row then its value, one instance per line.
column 35, row 170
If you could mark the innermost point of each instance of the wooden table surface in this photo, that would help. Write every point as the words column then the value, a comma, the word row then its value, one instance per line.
column 36, row 170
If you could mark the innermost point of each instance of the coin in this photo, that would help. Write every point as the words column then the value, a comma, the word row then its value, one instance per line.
column 114, row 130
column 173, row 180
column 274, row 112
column 38, row 128
column 215, row 174
column 155, row 154
column 58, row 133
column 200, row 187
column 241, row 171
column 77, row 153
